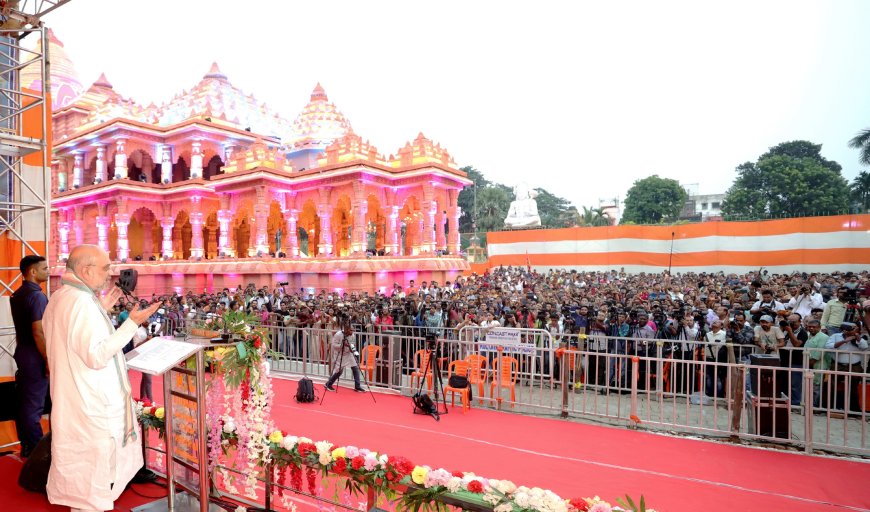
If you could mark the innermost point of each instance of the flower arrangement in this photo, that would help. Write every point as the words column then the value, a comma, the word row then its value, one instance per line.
column 151, row 416
column 421, row 485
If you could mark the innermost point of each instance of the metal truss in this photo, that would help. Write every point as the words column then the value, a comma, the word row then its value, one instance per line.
column 19, row 14
column 25, row 189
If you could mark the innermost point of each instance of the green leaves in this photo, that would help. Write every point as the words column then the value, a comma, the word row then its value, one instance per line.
column 790, row 180
column 653, row 200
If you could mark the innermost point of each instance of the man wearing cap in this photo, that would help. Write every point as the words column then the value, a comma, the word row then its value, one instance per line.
column 850, row 347
column 768, row 337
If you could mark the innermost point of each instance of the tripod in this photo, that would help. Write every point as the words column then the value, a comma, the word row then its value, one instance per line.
column 422, row 403
column 337, row 367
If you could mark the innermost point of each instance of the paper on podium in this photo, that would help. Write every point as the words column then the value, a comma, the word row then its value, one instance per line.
column 158, row 355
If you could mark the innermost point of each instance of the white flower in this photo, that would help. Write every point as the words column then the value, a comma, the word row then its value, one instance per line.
column 323, row 447
column 325, row 458
column 504, row 507
column 305, row 440
column 505, row 486
column 521, row 498
column 289, row 442
column 241, row 509
column 383, row 459
column 454, row 484
column 229, row 426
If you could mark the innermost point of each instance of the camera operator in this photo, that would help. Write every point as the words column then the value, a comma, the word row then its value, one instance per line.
column 768, row 337
column 596, row 368
column 851, row 347
column 714, row 352
column 682, row 329
column 766, row 306
column 344, row 354
column 805, row 301
column 644, row 346
column 792, row 354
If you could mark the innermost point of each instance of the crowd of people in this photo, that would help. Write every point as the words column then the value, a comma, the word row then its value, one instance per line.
column 824, row 316
column 75, row 339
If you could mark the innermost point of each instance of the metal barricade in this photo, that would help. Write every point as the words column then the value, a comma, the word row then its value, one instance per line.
column 692, row 387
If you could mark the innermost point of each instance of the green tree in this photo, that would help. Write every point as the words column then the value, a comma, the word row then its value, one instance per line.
column 790, row 180
column 552, row 209
column 493, row 203
column 653, row 200
column 466, row 198
column 861, row 190
column 594, row 217
column 861, row 142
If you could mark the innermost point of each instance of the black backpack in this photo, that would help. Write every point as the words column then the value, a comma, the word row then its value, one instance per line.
column 305, row 391
column 460, row 382
column 424, row 405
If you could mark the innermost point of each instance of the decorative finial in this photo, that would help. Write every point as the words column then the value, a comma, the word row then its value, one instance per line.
column 318, row 93
column 103, row 81
column 215, row 72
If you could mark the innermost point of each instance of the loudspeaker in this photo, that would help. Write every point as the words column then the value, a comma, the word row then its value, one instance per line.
column 771, row 417
column 127, row 280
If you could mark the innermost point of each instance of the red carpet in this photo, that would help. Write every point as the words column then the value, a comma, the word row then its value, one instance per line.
column 572, row 459
column 575, row 459
column 14, row 498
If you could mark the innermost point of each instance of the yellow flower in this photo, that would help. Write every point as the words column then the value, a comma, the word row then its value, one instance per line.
column 209, row 353
column 220, row 351
column 159, row 413
column 339, row 452
column 276, row 437
column 419, row 475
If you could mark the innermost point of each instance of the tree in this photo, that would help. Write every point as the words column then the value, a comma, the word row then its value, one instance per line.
column 493, row 203
column 594, row 217
column 466, row 198
column 654, row 200
column 552, row 209
column 802, row 149
column 861, row 190
column 790, row 180
column 862, row 143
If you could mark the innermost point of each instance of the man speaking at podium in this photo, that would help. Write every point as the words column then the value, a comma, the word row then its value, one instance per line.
column 96, row 445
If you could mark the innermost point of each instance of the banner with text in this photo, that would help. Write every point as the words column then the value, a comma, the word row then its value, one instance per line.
column 513, row 341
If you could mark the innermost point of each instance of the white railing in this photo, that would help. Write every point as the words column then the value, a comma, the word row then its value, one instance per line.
column 662, row 385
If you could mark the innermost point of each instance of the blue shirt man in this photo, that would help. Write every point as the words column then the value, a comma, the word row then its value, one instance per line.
column 31, row 380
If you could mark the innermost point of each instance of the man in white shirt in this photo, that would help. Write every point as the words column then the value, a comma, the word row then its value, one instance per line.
column 850, row 348
column 766, row 306
column 805, row 301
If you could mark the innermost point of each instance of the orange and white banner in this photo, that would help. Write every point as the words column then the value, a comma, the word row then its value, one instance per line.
column 805, row 244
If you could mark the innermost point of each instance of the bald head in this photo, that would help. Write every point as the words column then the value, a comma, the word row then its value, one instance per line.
column 82, row 256
column 91, row 264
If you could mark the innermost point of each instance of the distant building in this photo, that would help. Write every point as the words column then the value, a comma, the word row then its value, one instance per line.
column 708, row 206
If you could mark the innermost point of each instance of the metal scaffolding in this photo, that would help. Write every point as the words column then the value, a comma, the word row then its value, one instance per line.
column 25, row 187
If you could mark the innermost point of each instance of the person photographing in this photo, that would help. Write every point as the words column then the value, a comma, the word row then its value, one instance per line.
column 344, row 354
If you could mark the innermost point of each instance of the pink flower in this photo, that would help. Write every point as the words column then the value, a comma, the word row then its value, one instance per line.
column 600, row 507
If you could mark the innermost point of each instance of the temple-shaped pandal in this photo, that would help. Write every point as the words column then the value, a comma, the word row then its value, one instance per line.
column 213, row 188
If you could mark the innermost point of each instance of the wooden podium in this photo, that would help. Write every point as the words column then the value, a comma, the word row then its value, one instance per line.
column 184, row 395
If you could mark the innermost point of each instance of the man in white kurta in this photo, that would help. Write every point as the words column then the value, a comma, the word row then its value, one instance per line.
column 96, row 444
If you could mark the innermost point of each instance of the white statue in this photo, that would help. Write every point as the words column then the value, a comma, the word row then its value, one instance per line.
column 523, row 212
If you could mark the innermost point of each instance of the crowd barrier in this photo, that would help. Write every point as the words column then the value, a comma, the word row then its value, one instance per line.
column 681, row 386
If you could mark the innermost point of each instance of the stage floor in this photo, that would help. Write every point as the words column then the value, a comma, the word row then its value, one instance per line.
column 573, row 459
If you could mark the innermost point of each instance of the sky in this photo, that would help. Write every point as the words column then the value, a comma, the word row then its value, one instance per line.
column 580, row 98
